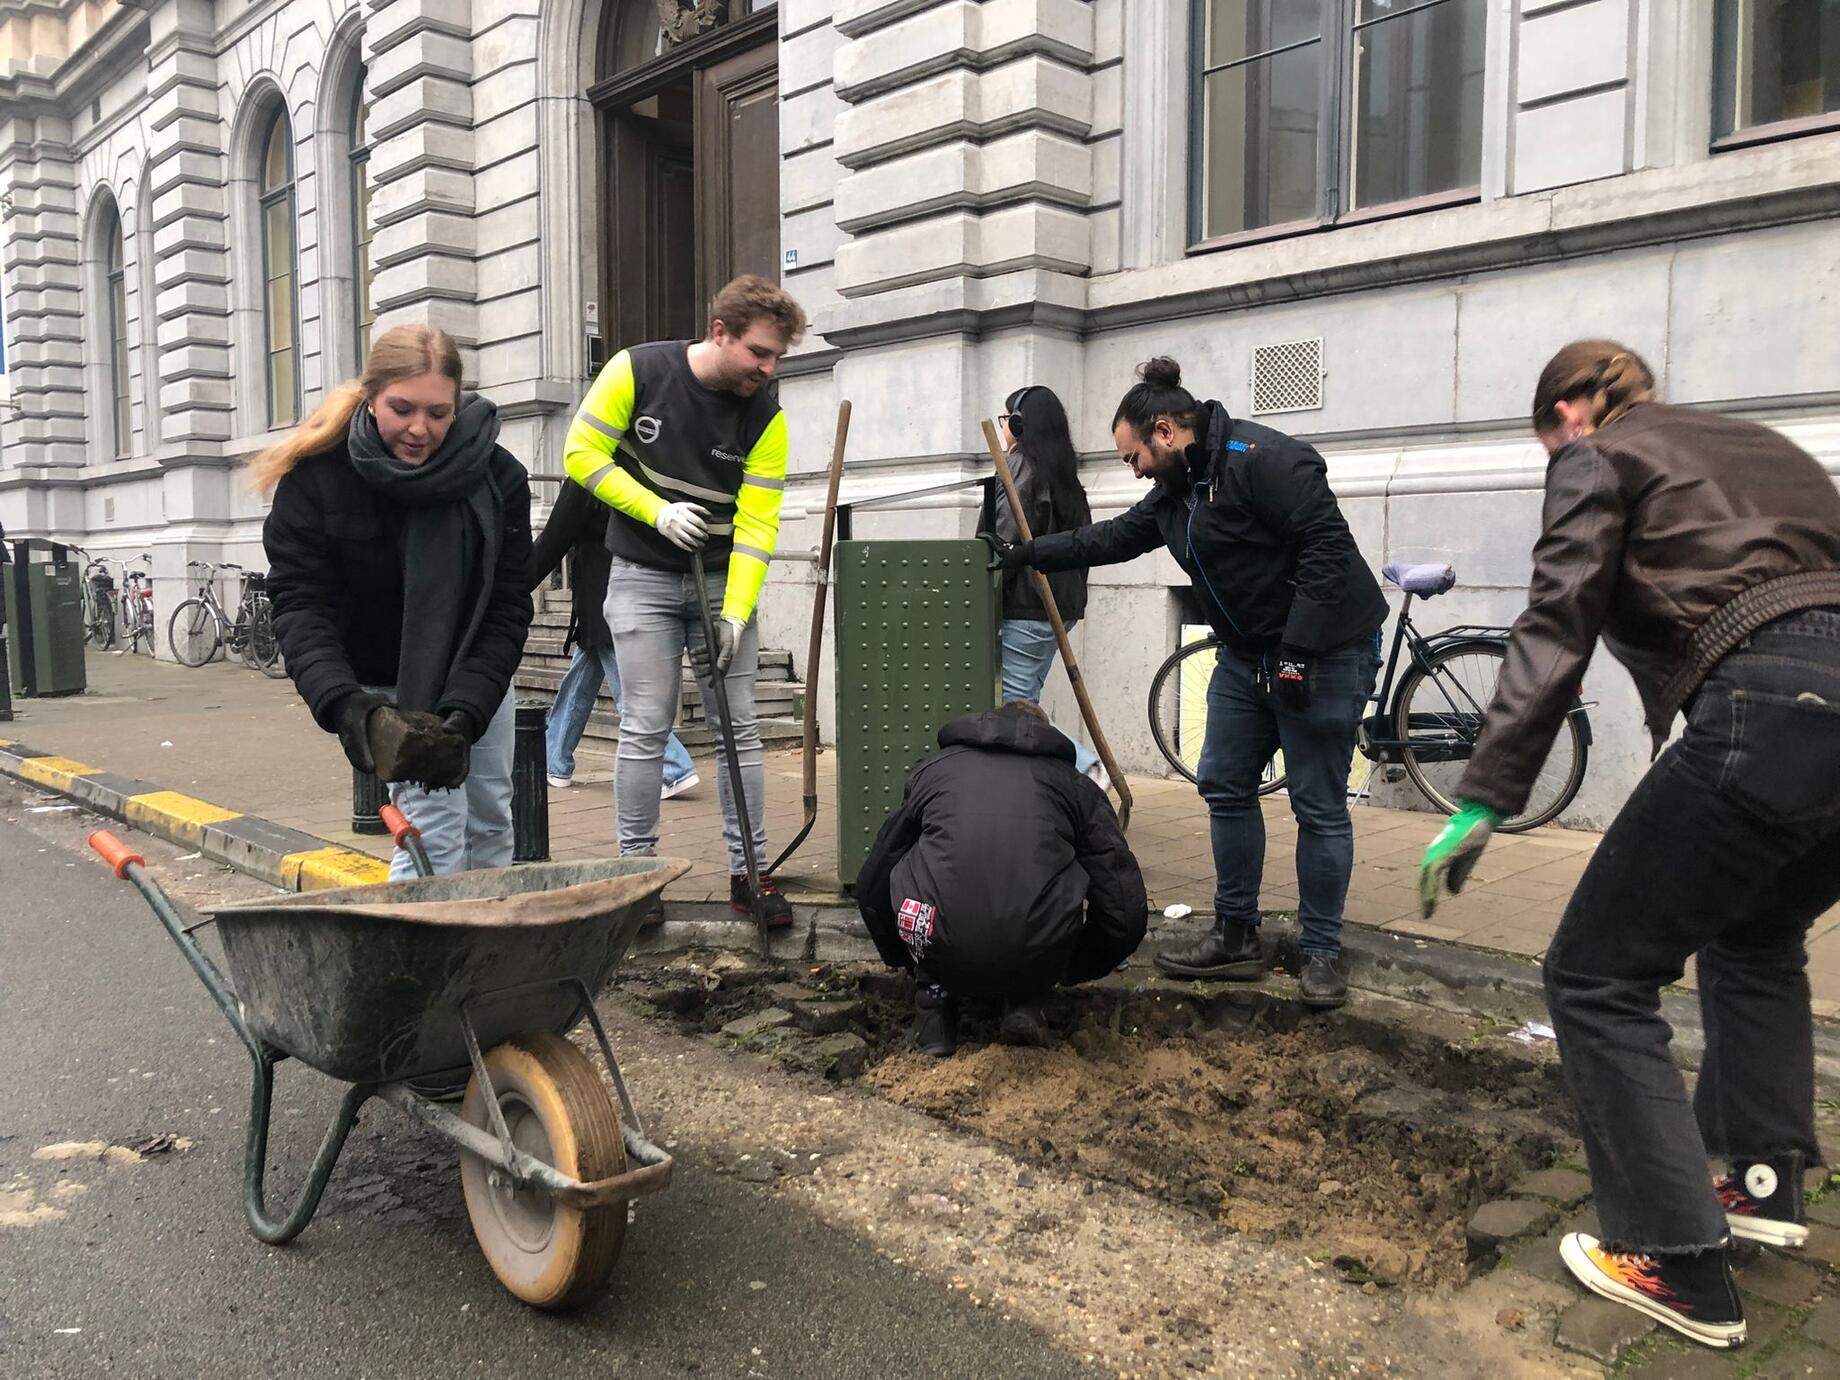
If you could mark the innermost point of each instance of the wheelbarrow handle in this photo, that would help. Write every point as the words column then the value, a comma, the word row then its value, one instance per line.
column 115, row 853
column 407, row 837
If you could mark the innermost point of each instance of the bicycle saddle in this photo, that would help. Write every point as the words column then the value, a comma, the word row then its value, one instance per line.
column 1425, row 581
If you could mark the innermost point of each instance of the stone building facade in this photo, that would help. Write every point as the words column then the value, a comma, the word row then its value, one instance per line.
column 1370, row 223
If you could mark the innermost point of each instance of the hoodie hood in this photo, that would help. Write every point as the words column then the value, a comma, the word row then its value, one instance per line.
column 1007, row 730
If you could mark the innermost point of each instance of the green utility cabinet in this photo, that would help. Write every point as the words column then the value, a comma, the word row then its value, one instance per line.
column 916, row 647
column 44, row 622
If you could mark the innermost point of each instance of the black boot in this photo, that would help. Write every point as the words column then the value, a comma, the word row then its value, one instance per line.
column 1023, row 1024
column 1321, row 983
column 935, row 1022
column 1230, row 950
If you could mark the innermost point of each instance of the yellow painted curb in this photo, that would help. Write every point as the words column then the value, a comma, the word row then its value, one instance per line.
column 324, row 869
column 59, row 773
column 180, row 817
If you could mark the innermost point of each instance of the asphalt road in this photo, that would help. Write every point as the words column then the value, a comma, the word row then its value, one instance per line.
column 146, row 1269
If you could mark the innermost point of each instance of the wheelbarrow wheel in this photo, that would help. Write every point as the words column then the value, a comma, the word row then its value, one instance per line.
column 549, row 1254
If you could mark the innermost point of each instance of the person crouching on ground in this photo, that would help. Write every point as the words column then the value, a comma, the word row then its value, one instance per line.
column 399, row 550
column 1706, row 551
column 1002, row 875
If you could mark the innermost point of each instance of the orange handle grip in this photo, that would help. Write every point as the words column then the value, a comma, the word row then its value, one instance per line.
column 398, row 824
column 114, row 852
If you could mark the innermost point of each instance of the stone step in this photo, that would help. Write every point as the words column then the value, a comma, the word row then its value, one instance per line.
column 602, row 734
column 546, row 642
column 779, row 699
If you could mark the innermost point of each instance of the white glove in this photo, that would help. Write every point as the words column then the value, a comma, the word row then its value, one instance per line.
column 728, row 641
column 684, row 525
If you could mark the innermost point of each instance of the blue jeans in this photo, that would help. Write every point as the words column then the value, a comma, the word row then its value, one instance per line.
column 1028, row 653
column 1245, row 725
column 575, row 701
column 469, row 826
column 654, row 618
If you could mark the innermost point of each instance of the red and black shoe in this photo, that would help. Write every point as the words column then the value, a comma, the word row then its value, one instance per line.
column 1763, row 1200
column 1693, row 1294
column 776, row 909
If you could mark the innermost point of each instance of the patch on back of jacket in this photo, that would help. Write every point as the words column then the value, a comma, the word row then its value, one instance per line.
column 916, row 925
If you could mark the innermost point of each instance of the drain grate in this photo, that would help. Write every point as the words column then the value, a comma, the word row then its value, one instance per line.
column 1287, row 377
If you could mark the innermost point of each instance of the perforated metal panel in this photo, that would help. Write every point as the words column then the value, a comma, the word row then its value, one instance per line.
column 1287, row 377
column 916, row 647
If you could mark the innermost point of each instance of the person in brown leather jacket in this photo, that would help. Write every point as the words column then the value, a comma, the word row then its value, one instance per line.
column 1706, row 553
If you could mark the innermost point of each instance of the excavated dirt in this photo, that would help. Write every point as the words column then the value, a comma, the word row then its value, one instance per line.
column 1360, row 1141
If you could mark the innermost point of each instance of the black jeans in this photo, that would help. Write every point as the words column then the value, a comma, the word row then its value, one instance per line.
column 1729, row 849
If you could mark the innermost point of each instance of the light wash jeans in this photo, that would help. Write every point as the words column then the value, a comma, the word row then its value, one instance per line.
column 1028, row 653
column 654, row 618
column 469, row 826
column 575, row 701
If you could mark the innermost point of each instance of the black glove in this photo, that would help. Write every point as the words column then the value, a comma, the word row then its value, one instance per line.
column 1292, row 671
column 1008, row 555
column 462, row 722
column 350, row 721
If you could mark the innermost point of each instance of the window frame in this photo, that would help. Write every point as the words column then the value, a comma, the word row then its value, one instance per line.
column 115, row 290
column 358, row 159
column 1750, row 136
column 1340, row 27
column 266, row 198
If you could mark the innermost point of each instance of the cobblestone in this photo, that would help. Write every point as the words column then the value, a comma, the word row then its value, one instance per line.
column 1601, row 1329
column 1779, row 1279
column 1566, row 1187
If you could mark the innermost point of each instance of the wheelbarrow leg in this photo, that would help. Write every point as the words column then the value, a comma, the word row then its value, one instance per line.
column 255, row 1160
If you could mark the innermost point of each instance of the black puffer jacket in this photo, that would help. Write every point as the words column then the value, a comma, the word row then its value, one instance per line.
column 1021, row 599
column 577, row 528
column 1004, row 871
column 334, row 548
column 1258, row 531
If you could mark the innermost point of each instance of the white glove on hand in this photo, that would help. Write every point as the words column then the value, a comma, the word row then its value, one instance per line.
column 728, row 639
column 684, row 525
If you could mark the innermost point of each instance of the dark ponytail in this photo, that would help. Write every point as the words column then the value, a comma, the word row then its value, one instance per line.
column 1161, row 394
column 1039, row 424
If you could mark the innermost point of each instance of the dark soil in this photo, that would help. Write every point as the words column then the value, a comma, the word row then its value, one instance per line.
column 1361, row 1141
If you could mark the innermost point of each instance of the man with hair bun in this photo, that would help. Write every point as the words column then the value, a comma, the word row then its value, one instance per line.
column 1705, row 551
column 686, row 442
column 1249, row 516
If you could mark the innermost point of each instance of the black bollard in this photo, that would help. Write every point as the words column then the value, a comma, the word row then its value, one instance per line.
column 530, row 784
column 368, row 796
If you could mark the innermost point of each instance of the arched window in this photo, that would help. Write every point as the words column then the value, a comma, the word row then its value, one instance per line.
column 116, row 287
column 279, row 307
column 361, row 272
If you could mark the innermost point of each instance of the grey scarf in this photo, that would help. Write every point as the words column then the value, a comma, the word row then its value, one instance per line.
column 452, row 523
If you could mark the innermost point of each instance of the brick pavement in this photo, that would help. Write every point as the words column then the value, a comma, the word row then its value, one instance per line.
column 247, row 743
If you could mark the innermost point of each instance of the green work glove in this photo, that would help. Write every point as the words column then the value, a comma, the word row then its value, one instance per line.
column 1454, row 853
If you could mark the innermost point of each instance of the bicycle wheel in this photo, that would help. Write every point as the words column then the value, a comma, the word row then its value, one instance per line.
column 101, row 621
column 194, row 633
column 261, row 648
column 1439, row 715
column 1178, row 711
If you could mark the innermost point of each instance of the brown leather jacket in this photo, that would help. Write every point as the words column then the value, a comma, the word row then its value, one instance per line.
column 1676, row 533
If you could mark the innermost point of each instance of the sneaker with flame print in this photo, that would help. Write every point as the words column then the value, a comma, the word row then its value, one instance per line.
column 1762, row 1200
column 1693, row 1294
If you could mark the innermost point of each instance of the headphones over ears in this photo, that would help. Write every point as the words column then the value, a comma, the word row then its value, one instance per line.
column 1013, row 407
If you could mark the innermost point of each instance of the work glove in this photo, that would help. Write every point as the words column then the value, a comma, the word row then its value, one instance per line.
column 1008, row 555
column 1453, row 854
column 684, row 525
column 350, row 721
column 1293, row 671
column 728, row 638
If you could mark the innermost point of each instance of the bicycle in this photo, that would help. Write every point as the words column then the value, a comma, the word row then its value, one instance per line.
column 1427, row 729
column 98, row 588
column 136, row 620
column 200, row 629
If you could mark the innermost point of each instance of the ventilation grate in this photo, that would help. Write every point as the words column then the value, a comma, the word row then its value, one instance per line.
column 1287, row 377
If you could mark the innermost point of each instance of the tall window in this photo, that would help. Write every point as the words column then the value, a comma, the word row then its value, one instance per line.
column 115, row 280
column 362, row 276
column 1777, row 63
column 278, row 301
column 1312, row 109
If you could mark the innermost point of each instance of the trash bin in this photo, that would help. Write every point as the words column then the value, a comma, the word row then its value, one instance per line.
column 44, row 620
column 917, row 646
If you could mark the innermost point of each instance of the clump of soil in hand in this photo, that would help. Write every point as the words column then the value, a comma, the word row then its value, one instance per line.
column 1286, row 1137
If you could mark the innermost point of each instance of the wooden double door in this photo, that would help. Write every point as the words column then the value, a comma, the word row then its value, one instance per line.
column 690, row 187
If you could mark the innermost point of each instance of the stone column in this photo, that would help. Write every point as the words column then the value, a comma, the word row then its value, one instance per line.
column 189, row 211
column 41, row 257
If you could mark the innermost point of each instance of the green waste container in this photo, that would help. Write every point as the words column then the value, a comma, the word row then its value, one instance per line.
column 44, row 620
column 916, row 647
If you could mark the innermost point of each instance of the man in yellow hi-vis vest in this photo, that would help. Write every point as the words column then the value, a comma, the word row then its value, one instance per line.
column 685, row 441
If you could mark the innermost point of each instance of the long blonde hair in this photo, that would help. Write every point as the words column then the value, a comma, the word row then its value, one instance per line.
column 402, row 352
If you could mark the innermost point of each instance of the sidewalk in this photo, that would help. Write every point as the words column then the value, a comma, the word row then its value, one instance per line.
column 246, row 743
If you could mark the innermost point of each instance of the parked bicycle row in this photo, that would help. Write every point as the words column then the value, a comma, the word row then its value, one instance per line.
column 118, row 613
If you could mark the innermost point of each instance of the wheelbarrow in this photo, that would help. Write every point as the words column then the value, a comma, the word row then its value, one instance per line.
column 471, row 979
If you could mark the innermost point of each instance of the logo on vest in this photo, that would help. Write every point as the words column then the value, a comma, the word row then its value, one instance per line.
column 647, row 429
